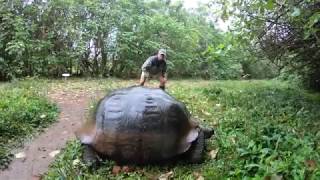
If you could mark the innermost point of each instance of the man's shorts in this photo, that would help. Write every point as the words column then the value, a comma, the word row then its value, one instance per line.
column 148, row 75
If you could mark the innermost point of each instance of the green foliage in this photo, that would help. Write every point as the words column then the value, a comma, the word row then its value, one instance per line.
column 293, row 78
column 284, row 32
column 22, row 111
column 111, row 38
column 264, row 129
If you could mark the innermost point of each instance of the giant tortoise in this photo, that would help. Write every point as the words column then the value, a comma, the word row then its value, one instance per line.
column 142, row 125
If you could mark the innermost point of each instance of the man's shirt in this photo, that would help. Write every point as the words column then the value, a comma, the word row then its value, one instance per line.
column 154, row 66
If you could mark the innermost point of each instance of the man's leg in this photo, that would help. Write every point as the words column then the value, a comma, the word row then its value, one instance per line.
column 162, row 82
column 143, row 78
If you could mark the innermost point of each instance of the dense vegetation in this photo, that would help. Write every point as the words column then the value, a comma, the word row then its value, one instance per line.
column 285, row 32
column 264, row 130
column 23, row 110
column 113, row 38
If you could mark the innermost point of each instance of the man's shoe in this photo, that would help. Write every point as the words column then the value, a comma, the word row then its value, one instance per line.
column 162, row 87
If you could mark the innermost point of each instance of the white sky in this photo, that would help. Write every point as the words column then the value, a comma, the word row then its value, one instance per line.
column 189, row 4
column 193, row 3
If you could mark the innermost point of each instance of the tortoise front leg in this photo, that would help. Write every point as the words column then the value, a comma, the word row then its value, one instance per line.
column 89, row 156
column 196, row 151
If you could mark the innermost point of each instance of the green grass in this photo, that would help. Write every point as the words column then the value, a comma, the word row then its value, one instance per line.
column 23, row 111
column 264, row 130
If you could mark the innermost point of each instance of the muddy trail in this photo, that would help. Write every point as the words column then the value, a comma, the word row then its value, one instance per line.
column 36, row 155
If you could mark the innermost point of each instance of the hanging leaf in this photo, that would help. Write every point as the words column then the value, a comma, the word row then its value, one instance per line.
column 270, row 4
column 296, row 12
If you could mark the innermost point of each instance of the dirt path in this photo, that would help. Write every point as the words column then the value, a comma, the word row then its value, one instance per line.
column 37, row 152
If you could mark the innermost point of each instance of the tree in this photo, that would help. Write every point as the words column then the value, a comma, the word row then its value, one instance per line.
column 109, row 38
column 287, row 32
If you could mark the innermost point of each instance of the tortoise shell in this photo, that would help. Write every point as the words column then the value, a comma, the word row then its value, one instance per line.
column 140, row 124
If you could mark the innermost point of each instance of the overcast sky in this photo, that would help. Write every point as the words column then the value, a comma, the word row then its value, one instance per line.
column 194, row 4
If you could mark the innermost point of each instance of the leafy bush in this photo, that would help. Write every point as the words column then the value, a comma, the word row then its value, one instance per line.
column 286, row 33
column 22, row 111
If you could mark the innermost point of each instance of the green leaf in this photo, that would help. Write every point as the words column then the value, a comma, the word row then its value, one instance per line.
column 270, row 4
column 225, row 15
column 306, row 34
column 221, row 46
column 251, row 144
column 296, row 12
column 313, row 19
column 249, row 166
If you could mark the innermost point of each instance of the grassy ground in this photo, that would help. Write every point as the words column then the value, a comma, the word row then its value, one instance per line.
column 24, row 110
column 264, row 130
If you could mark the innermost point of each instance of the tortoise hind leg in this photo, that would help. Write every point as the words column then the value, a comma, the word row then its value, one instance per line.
column 89, row 156
column 196, row 151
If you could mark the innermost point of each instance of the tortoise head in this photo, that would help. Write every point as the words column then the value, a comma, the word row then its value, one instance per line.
column 208, row 132
column 86, row 133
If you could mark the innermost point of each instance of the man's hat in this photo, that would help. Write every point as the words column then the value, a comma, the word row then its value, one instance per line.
column 163, row 51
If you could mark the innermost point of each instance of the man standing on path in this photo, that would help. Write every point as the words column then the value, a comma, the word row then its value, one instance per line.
column 155, row 66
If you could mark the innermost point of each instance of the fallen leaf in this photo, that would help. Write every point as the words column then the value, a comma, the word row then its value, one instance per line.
column 214, row 122
column 75, row 162
column 127, row 169
column 165, row 176
column 198, row 176
column 36, row 177
column 233, row 140
column 43, row 116
column 311, row 164
column 116, row 170
column 20, row 155
column 54, row 153
column 273, row 177
column 213, row 153
column 207, row 113
column 42, row 149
